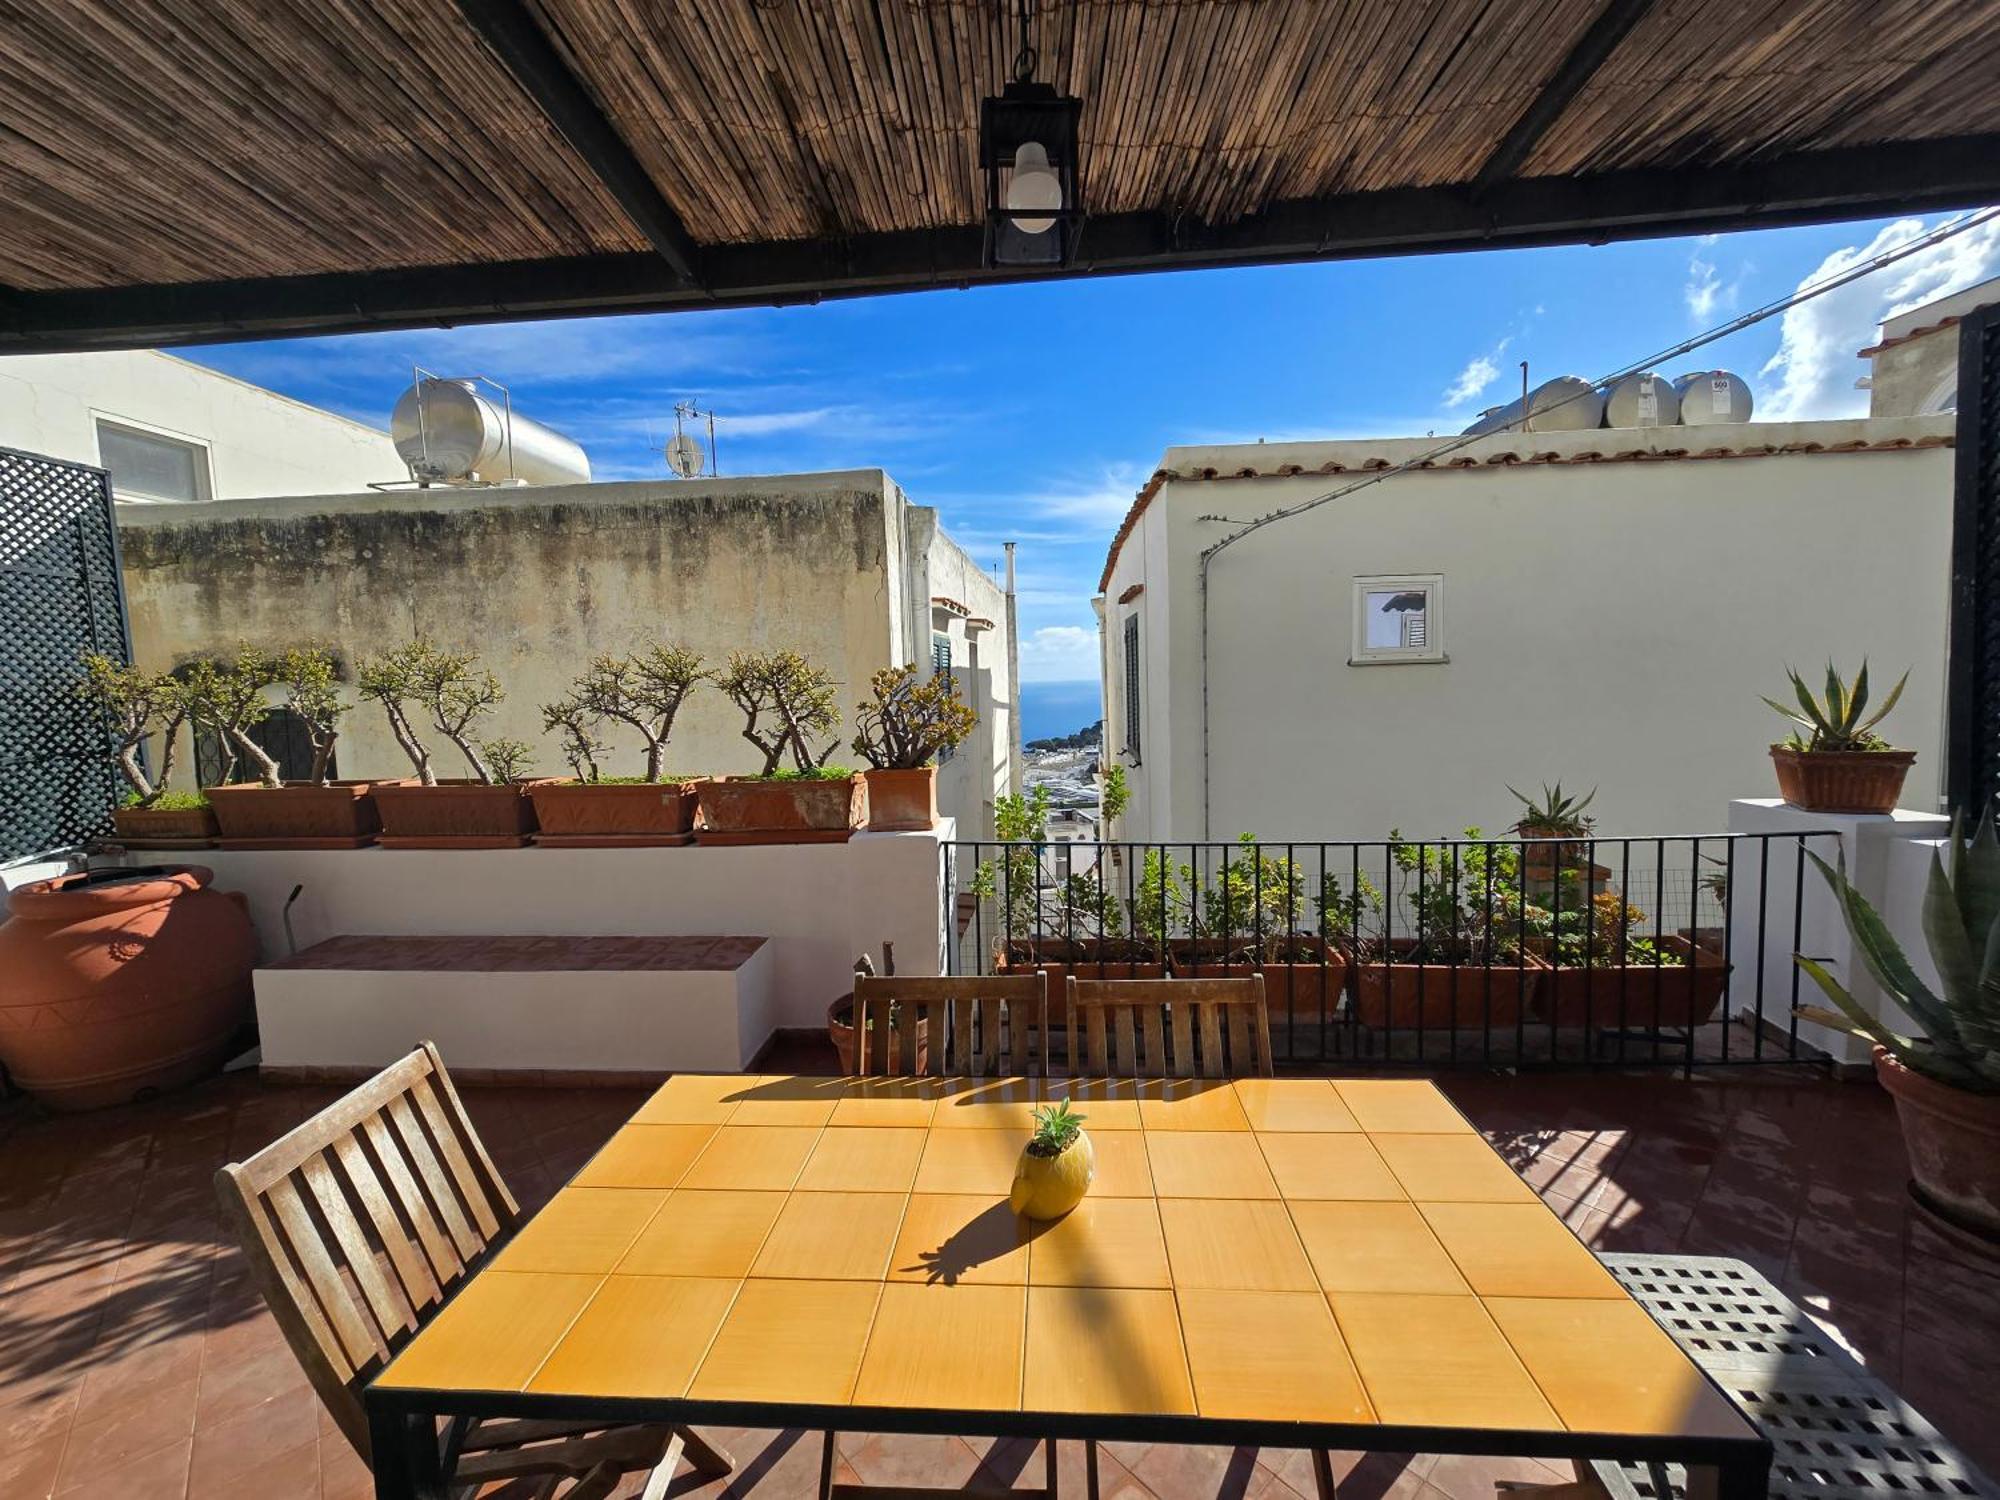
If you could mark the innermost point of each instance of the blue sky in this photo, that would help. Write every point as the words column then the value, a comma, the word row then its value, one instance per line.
column 1033, row 413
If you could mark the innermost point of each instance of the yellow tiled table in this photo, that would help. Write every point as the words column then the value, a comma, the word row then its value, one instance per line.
column 1284, row 1262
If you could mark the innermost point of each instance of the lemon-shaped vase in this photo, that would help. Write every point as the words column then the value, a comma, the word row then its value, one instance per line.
column 1047, row 1187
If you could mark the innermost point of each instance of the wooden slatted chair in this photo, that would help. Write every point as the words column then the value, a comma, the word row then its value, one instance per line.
column 973, row 1027
column 358, row 1224
column 1170, row 1028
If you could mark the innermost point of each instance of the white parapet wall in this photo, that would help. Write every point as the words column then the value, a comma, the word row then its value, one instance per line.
column 819, row 904
column 1888, row 860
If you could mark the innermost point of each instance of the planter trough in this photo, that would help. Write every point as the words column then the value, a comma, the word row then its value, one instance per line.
column 747, row 811
column 454, row 815
column 303, row 816
column 600, row 815
column 165, row 827
column 1636, row 995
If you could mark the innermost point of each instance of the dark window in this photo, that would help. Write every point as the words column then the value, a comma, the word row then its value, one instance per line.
column 1132, row 687
column 282, row 734
column 941, row 667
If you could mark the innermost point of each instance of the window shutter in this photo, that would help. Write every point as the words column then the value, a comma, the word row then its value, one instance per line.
column 1132, row 687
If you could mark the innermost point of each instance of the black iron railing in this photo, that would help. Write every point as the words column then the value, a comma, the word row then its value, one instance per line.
column 1659, row 950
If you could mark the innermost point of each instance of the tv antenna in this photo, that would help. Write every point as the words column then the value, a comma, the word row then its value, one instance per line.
column 684, row 452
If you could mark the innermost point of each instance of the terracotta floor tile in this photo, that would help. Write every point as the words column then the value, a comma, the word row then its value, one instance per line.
column 128, row 1433
column 225, row 1452
column 161, row 1474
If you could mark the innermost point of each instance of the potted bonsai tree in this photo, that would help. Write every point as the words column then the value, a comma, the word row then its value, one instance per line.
column 795, row 797
column 1056, row 1165
column 1074, row 925
column 318, row 812
column 418, row 685
column 1459, row 962
column 900, row 731
column 1946, row 1084
column 136, row 706
column 1556, row 826
column 644, row 691
column 1834, row 761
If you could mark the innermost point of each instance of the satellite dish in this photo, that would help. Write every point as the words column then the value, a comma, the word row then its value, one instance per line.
column 684, row 455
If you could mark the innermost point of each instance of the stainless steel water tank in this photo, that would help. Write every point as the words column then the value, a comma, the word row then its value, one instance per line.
column 450, row 432
column 1565, row 404
column 1711, row 396
column 1642, row 400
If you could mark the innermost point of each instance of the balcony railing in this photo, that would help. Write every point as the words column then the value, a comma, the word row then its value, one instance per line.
column 1667, row 950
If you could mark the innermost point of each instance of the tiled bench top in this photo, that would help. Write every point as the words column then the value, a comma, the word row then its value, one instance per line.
column 524, row 954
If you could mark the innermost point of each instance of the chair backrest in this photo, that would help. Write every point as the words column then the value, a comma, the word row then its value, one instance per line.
column 981, row 1027
column 1170, row 1028
column 358, row 1222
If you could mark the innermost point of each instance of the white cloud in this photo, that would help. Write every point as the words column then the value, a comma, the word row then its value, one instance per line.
column 1480, row 371
column 1812, row 374
column 1703, row 290
column 1059, row 653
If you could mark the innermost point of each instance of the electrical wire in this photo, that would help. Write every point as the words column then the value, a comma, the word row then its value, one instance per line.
column 1806, row 293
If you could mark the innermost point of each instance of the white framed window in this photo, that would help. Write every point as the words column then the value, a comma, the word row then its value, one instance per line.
column 152, row 466
column 1398, row 617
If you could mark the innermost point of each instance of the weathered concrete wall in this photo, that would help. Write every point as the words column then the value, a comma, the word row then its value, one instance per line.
column 536, row 581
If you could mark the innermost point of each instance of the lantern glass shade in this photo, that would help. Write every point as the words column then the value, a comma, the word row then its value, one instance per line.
column 1028, row 153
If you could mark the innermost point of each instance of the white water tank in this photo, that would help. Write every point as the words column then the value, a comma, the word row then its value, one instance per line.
column 1712, row 396
column 1642, row 400
column 1566, row 404
column 451, row 432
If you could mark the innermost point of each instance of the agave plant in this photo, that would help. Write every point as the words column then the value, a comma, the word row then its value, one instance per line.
column 1556, row 813
column 1840, row 719
column 1961, row 918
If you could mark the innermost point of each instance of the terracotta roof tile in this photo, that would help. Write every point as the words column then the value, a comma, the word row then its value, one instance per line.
column 1504, row 459
column 1903, row 338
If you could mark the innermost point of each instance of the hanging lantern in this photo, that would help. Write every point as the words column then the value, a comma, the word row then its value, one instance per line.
column 1027, row 149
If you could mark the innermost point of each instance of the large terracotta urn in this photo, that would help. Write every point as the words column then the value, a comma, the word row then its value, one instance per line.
column 120, row 983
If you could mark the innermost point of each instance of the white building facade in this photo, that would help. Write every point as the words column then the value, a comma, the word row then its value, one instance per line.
column 1603, row 608
column 173, row 432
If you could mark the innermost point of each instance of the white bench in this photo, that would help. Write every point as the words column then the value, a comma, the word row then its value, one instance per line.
column 565, row 1007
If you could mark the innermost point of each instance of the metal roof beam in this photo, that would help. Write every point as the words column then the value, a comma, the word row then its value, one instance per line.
column 1613, row 24
column 1850, row 183
column 526, row 52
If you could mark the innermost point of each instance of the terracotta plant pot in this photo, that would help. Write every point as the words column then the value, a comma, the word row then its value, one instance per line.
column 165, row 827
column 299, row 816
column 1298, row 986
column 454, row 815
column 1544, row 850
column 599, row 815
column 1636, row 995
column 121, row 983
column 749, row 811
column 1844, row 781
column 1443, row 997
column 1086, row 958
column 900, row 801
column 1953, row 1141
column 840, row 1031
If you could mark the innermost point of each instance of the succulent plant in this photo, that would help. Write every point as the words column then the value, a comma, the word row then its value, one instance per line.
column 1835, row 721
column 1056, row 1128
column 1555, row 813
column 1961, row 921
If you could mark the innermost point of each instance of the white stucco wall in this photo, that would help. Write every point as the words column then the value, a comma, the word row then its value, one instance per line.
column 1607, row 624
column 258, row 442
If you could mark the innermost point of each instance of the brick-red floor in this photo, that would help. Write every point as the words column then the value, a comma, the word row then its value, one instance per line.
column 135, row 1362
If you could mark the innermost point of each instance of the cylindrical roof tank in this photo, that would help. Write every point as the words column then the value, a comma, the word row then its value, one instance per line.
column 1710, row 396
column 1642, row 400
column 1565, row 404
column 448, row 432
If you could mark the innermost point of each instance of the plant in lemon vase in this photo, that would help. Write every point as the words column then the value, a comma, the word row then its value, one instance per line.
column 1056, row 1165
column 1834, row 760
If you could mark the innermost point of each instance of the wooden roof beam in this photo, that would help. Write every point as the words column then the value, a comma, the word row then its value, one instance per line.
column 1806, row 188
column 526, row 52
column 1613, row 24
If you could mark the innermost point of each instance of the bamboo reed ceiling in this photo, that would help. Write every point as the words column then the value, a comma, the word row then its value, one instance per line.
column 211, row 145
